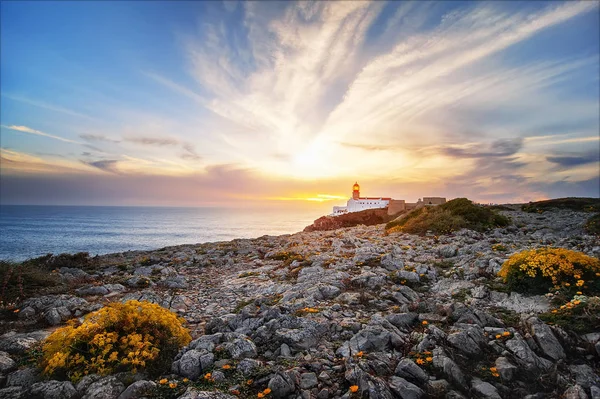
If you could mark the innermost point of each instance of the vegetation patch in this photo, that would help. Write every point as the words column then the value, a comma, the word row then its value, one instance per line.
column 538, row 271
column 449, row 217
column 592, row 225
column 128, row 336
column 80, row 260
column 581, row 315
column 20, row 281
column 573, row 203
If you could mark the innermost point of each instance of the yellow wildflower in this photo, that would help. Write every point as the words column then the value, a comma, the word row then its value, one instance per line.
column 173, row 385
column 163, row 381
column 506, row 333
column 498, row 336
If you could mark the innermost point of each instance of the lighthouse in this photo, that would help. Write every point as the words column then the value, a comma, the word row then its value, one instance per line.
column 356, row 191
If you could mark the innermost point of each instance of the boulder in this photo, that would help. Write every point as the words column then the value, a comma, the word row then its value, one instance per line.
column 405, row 389
column 506, row 369
column 282, row 385
column 53, row 390
column 584, row 375
column 138, row 389
column 545, row 339
column 193, row 363
column 407, row 369
column 105, row 388
column 6, row 363
column 469, row 341
column 308, row 380
column 484, row 390
column 241, row 348
column 13, row 393
column 194, row 393
column 24, row 377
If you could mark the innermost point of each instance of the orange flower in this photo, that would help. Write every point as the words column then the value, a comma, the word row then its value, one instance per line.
column 360, row 354
column 429, row 359
column 354, row 388
column 16, row 311
column 173, row 385
column 186, row 380
column 424, row 322
column 498, row 336
column 249, row 382
column 420, row 361
column 506, row 333
column 163, row 381
column 207, row 376
column 493, row 369
column 235, row 392
column 579, row 293
column 261, row 395
column 226, row 367
column 267, row 391
column 554, row 310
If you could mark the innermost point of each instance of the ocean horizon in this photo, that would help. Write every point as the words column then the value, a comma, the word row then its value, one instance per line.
column 29, row 231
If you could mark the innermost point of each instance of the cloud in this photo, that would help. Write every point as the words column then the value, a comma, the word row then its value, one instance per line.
column 498, row 148
column 190, row 152
column 110, row 165
column 44, row 105
column 98, row 137
column 569, row 161
column 26, row 129
column 152, row 141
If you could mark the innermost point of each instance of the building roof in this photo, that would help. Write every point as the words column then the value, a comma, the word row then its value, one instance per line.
column 375, row 198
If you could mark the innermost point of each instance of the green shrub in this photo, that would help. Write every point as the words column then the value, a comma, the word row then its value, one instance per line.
column 573, row 203
column 581, row 315
column 541, row 270
column 20, row 281
column 592, row 225
column 79, row 260
column 128, row 336
column 452, row 216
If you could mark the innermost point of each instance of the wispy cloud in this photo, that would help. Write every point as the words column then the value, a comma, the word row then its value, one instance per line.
column 98, row 137
column 153, row 141
column 110, row 165
column 29, row 130
column 47, row 106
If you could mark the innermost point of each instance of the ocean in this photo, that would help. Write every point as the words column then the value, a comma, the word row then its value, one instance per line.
column 31, row 231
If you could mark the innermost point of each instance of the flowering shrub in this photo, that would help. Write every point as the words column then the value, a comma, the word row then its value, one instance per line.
column 119, row 337
column 539, row 270
column 581, row 314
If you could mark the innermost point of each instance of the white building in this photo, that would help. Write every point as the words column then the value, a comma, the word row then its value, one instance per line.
column 358, row 203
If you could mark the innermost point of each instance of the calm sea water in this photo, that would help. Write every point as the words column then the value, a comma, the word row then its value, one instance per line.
column 31, row 231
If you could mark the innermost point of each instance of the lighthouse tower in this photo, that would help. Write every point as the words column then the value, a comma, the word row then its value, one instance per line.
column 356, row 191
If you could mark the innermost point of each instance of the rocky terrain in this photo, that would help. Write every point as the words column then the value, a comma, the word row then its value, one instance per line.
column 345, row 313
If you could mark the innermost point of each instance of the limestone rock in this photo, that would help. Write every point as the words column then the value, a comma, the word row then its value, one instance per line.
column 53, row 390
column 6, row 363
column 137, row 389
column 484, row 389
column 407, row 369
column 405, row 389
column 281, row 385
column 24, row 377
column 241, row 348
column 105, row 388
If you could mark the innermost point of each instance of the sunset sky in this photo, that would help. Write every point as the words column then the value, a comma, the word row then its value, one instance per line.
column 204, row 103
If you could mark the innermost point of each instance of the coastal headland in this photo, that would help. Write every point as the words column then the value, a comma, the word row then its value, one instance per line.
column 362, row 311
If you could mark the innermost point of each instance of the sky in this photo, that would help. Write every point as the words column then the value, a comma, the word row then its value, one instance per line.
column 181, row 103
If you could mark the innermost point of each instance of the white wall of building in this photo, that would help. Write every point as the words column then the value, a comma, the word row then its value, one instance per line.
column 362, row 204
